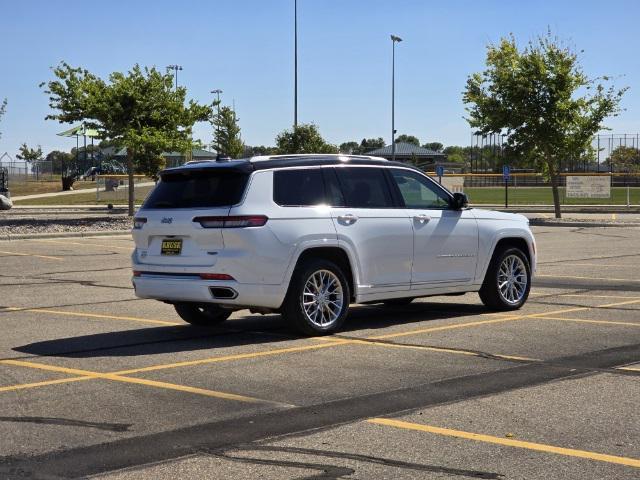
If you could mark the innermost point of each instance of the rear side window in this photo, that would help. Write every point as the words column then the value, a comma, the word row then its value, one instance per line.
column 298, row 188
column 198, row 189
column 364, row 187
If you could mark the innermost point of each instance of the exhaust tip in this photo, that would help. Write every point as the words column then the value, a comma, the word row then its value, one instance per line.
column 223, row 293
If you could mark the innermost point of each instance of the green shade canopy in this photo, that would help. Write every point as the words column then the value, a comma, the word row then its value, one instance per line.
column 79, row 131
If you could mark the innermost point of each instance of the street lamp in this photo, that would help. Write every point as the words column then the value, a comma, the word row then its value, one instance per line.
column 175, row 69
column 217, row 92
column 394, row 39
column 295, row 62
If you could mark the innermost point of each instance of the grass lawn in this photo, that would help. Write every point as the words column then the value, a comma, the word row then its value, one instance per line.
column 32, row 187
column 542, row 196
column 89, row 198
column 478, row 195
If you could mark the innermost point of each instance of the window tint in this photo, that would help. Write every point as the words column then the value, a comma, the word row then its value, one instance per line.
column 197, row 189
column 418, row 191
column 364, row 187
column 303, row 187
column 334, row 193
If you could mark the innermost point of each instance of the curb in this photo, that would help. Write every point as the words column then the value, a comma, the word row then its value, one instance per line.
column 99, row 233
column 541, row 222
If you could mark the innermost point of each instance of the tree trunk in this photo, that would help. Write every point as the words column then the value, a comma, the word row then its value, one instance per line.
column 130, row 173
column 555, row 177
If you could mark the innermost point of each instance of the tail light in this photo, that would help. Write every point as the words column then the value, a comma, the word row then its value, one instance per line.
column 137, row 273
column 240, row 221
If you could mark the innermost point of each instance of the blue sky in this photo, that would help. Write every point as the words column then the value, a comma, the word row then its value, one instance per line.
column 245, row 48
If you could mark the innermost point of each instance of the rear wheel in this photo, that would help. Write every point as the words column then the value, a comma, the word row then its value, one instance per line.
column 318, row 298
column 202, row 314
column 508, row 280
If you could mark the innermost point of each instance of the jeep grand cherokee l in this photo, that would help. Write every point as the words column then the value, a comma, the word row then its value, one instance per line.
column 307, row 235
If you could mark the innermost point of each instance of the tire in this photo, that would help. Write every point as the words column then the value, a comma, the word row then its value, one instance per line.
column 307, row 282
column 398, row 302
column 514, row 294
column 202, row 314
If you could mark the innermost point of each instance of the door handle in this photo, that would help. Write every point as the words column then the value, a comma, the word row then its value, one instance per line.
column 422, row 218
column 348, row 219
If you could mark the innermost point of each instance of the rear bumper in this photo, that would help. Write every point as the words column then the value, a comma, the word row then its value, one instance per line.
column 176, row 289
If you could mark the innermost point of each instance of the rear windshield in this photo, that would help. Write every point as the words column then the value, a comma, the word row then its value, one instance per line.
column 198, row 189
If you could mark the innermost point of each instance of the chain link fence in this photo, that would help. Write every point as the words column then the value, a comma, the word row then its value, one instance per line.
column 115, row 188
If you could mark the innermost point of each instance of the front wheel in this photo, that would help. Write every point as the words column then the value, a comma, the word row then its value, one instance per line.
column 508, row 280
column 318, row 298
column 202, row 314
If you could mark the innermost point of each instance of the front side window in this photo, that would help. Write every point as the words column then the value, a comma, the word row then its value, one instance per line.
column 299, row 188
column 418, row 191
column 364, row 187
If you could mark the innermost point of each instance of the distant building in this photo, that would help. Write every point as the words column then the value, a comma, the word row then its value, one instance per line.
column 174, row 159
column 423, row 158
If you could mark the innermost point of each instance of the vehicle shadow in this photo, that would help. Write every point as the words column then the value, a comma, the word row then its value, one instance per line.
column 245, row 330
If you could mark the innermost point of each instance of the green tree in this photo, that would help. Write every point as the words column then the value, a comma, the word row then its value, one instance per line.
column 456, row 154
column 139, row 110
column 305, row 138
column 350, row 148
column 540, row 96
column 61, row 162
column 29, row 155
column 435, row 146
column 226, row 132
column 408, row 139
column 369, row 144
column 624, row 159
column 259, row 150
column 3, row 108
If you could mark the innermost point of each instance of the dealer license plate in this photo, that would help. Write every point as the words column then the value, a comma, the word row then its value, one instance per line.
column 171, row 246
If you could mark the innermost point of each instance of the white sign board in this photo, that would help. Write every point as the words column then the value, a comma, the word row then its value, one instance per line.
column 582, row 186
column 453, row 184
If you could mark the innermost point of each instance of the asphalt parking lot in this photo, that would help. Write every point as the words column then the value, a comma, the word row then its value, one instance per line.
column 97, row 383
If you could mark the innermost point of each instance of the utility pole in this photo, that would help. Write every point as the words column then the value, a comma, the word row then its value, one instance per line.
column 394, row 39
column 217, row 92
column 175, row 69
column 295, row 63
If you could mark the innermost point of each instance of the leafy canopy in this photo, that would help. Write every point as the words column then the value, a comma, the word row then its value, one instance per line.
column 304, row 138
column 413, row 140
column 29, row 155
column 541, row 97
column 138, row 110
column 3, row 107
column 226, row 133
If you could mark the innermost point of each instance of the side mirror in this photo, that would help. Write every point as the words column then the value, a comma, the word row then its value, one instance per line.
column 459, row 201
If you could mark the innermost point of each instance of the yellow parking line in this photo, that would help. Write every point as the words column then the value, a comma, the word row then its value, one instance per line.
column 226, row 358
column 139, row 381
column 83, row 244
column 90, row 315
column 46, row 257
column 613, row 216
column 574, row 277
column 630, row 369
column 441, row 349
column 581, row 320
column 596, row 296
column 508, row 442
column 22, row 386
column 564, row 265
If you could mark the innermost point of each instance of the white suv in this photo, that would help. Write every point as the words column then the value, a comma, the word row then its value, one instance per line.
column 306, row 235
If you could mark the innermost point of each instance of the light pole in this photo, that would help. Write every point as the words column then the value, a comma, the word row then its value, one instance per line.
column 217, row 92
column 295, row 64
column 175, row 69
column 394, row 40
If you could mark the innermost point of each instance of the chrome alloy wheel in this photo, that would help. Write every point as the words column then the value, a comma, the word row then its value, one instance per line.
column 322, row 298
column 512, row 279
